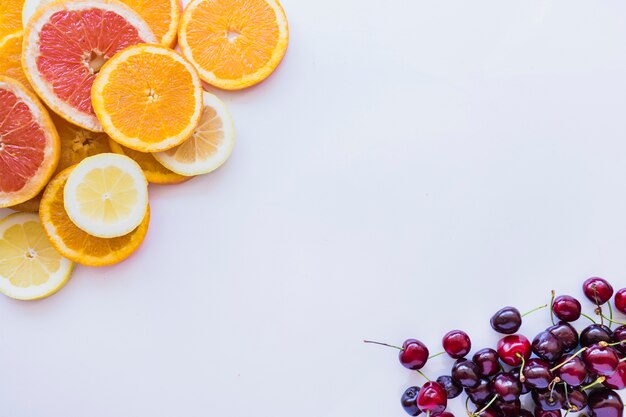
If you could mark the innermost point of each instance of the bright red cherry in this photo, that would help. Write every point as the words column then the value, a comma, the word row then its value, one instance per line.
column 618, row 379
column 598, row 290
column 620, row 300
column 602, row 360
column 414, row 354
column 432, row 398
column 457, row 344
column 567, row 308
column 514, row 349
column 445, row 414
column 547, row 413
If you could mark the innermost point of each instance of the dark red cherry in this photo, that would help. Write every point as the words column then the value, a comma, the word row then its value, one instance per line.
column 466, row 373
column 548, row 399
column 605, row 403
column 547, row 413
column 507, row 320
column 511, row 349
column 515, row 373
column 489, row 412
column 525, row 413
column 574, row 372
column 595, row 333
column 414, row 354
column 453, row 389
column 598, row 290
column 567, row 335
column 618, row 379
column 488, row 362
column 620, row 300
column 537, row 373
column 506, row 387
column 575, row 399
column 432, row 398
column 481, row 393
column 547, row 346
column 508, row 409
column 602, row 360
column 409, row 401
column 444, row 414
column 619, row 335
column 566, row 308
column 457, row 344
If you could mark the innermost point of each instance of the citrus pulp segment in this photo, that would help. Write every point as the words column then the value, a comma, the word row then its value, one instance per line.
column 78, row 143
column 29, row 144
column 234, row 43
column 30, row 267
column 148, row 98
column 209, row 146
column 11, row 58
column 74, row 243
column 65, row 46
column 154, row 171
column 106, row 195
column 10, row 16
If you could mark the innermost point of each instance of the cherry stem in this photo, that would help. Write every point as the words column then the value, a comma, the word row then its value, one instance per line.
column 598, row 308
column 382, row 344
column 436, row 354
column 534, row 309
column 610, row 314
column 552, row 307
column 623, row 360
column 482, row 410
column 568, row 359
column 522, row 378
column 607, row 344
column 422, row 374
column 569, row 405
column 467, row 410
column 594, row 383
column 612, row 321
column 590, row 318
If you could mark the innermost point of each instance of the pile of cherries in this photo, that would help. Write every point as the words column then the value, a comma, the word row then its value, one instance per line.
column 561, row 369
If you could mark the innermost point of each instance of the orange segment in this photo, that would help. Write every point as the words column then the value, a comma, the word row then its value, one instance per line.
column 148, row 98
column 10, row 16
column 234, row 43
column 162, row 16
column 155, row 172
column 78, row 143
column 11, row 58
column 75, row 244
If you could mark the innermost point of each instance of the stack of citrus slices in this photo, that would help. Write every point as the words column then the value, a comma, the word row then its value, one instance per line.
column 95, row 104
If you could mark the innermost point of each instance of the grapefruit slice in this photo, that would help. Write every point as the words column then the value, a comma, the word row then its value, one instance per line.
column 29, row 144
column 66, row 44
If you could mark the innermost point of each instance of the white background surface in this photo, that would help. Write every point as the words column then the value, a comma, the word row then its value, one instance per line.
column 411, row 167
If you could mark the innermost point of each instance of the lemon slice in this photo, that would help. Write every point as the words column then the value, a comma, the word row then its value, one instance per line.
column 209, row 146
column 30, row 268
column 106, row 195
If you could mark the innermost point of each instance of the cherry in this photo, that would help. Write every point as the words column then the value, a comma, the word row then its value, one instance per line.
column 516, row 373
column 574, row 372
column 598, row 290
column 453, row 389
column 547, row 346
column 514, row 349
column 605, row 403
column 601, row 359
column 575, row 399
column 413, row 355
column 619, row 335
column 466, row 373
column 445, row 414
column 432, row 398
column 547, row 413
column 507, row 320
column 567, row 335
column 508, row 409
column 618, row 379
column 506, row 387
column 566, row 308
column 457, row 344
column 595, row 333
column 537, row 373
column 409, row 401
column 489, row 412
column 488, row 362
column 548, row 399
column 480, row 393
column 620, row 300
column 525, row 413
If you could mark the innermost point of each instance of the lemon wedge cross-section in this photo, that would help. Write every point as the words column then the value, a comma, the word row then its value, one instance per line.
column 30, row 267
column 106, row 195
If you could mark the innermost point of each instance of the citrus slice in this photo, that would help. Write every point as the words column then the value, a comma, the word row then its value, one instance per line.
column 11, row 58
column 29, row 144
column 30, row 267
column 10, row 16
column 234, row 43
column 74, row 243
column 29, row 206
column 210, row 145
column 148, row 98
column 154, row 171
column 30, row 7
column 66, row 44
column 106, row 195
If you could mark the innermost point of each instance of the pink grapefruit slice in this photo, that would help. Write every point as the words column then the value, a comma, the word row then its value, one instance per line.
column 29, row 144
column 66, row 44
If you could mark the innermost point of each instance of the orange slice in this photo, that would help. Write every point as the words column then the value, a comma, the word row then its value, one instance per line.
column 163, row 17
column 234, row 43
column 154, row 171
column 10, row 16
column 29, row 144
column 65, row 45
column 148, row 98
column 75, row 244
column 11, row 58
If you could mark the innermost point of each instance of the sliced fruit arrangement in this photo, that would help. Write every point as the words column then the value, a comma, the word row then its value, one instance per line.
column 233, row 43
column 560, row 368
column 95, row 103
column 30, row 268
